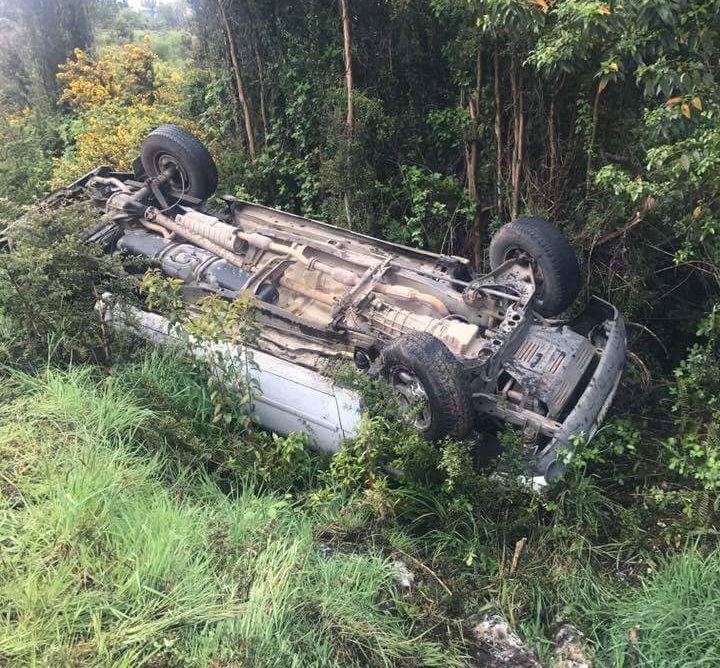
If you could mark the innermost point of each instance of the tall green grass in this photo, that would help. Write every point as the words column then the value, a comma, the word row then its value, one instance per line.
column 106, row 561
column 674, row 619
column 119, row 551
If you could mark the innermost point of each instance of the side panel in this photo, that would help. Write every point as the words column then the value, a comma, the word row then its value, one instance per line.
column 294, row 398
column 291, row 397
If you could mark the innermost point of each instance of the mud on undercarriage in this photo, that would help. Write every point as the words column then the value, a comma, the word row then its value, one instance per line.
column 458, row 344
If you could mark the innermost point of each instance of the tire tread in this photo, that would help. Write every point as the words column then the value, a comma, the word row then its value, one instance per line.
column 442, row 378
column 546, row 243
column 190, row 151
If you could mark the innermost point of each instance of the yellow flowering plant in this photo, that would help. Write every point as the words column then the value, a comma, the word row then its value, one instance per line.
column 119, row 96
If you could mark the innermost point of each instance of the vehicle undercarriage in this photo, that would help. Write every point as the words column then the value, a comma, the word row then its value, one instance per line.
column 459, row 344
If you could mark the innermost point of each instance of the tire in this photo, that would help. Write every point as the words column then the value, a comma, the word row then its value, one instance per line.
column 173, row 145
column 439, row 376
column 557, row 274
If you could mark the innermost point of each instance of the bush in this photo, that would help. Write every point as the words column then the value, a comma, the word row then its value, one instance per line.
column 50, row 283
column 694, row 449
column 119, row 97
column 28, row 142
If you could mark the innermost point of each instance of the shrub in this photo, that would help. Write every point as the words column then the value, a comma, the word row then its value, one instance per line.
column 50, row 283
column 28, row 142
column 695, row 447
column 119, row 97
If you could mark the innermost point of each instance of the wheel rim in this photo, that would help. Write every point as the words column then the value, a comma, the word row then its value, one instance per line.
column 412, row 397
column 517, row 253
column 179, row 181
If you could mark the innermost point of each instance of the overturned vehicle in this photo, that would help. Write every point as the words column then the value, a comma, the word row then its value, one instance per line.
column 462, row 346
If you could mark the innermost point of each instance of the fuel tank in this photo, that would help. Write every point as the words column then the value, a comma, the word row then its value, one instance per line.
column 192, row 264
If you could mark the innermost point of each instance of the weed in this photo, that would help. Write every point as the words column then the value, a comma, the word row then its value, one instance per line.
column 673, row 621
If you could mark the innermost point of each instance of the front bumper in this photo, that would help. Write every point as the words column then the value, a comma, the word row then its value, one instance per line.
column 592, row 406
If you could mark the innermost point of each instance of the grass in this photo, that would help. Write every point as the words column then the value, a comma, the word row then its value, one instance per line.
column 119, row 550
column 674, row 619
column 108, row 563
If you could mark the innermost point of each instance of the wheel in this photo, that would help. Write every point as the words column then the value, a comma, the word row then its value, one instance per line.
column 172, row 146
column 557, row 276
column 429, row 383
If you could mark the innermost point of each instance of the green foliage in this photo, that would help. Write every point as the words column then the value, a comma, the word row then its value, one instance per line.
column 673, row 620
column 214, row 358
column 349, row 162
column 117, row 24
column 163, row 294
column 222, row 330
column 620, row 110
column 437, row 208
column 50, row 284
column 513, row 18
column 579, row 33
column 695, row 449
column 118, row 96
column 109, row 560
column 28, row 142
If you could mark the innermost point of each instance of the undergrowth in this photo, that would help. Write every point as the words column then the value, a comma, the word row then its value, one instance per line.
column 115, row 556
column 138, row 531
column 147, row 520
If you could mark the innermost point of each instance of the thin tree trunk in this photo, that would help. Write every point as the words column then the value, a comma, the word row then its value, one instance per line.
column 347, row 53
column 233, row 95
column 242, row 96
column 350, row 120
column 261, row 77
column 498, row 130
column 552, row 146
column 471, row 156
column 472, row 161
column 259, row 63
column 518, row 134
column 521, row 147
column 593, row 133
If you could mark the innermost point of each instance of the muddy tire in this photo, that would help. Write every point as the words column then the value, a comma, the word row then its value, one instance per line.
column 172, row 145
column 420, row 366
column 557, row 275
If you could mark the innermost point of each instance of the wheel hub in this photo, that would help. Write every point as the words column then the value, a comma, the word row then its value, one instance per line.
column 412, row 397
column 178, row 180
column 520, row 254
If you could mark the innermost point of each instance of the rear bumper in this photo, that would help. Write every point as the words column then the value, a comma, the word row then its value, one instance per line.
column 593, row 404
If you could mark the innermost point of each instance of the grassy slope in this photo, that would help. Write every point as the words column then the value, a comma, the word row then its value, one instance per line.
column 112, row 558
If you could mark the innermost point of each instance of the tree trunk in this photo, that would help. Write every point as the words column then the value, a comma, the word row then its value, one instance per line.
column 261, row 77
column 521, row 147
column 552, row 147
column 245, row 102
column 233, row 95
column 347, row 53
column 260, row 68
column 350, row 120
column 593, row 133
column 518, row 133
column 498, row 130
column 472, row 162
